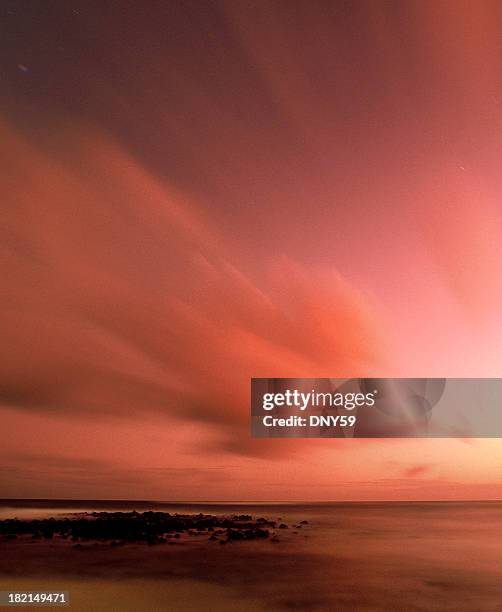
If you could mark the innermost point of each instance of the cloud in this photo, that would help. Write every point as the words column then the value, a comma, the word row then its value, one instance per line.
column 460, row 223
column 121, row 298
column 416, row 470
column 48, row 475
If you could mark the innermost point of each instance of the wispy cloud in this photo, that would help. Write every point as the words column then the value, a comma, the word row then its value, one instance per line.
column 121, row 300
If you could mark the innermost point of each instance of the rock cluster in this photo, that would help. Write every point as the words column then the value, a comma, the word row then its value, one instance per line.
column 119, row 528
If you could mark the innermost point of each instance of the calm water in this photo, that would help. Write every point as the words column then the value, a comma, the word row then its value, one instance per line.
column 385, row 556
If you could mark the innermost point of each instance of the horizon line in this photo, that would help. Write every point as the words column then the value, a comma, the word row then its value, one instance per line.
column 246, row 502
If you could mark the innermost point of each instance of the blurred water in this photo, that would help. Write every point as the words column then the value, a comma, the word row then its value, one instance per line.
column 373, row 556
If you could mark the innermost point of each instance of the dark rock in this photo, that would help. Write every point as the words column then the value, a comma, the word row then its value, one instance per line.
column 119, row 528
column 243, row 517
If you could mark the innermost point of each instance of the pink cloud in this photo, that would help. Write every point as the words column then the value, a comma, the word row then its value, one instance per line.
column 121, row 300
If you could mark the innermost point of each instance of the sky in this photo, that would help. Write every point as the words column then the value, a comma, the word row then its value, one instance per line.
column 194, row 194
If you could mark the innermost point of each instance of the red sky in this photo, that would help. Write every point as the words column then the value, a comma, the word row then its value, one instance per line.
column 196, row 195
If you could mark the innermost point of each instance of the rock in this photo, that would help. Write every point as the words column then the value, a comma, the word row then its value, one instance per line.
column 120, row 528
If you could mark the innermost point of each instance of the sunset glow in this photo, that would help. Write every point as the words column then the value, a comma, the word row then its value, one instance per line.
column 167, row 236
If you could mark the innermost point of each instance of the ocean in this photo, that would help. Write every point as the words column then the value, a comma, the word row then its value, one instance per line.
column 350, row 556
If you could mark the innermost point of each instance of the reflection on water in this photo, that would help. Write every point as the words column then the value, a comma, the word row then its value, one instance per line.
column 381, row 556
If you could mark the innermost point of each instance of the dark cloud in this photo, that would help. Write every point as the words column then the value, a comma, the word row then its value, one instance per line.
column 417, row 470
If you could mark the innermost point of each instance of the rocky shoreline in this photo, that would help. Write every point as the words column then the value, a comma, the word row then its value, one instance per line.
column 151, row 528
